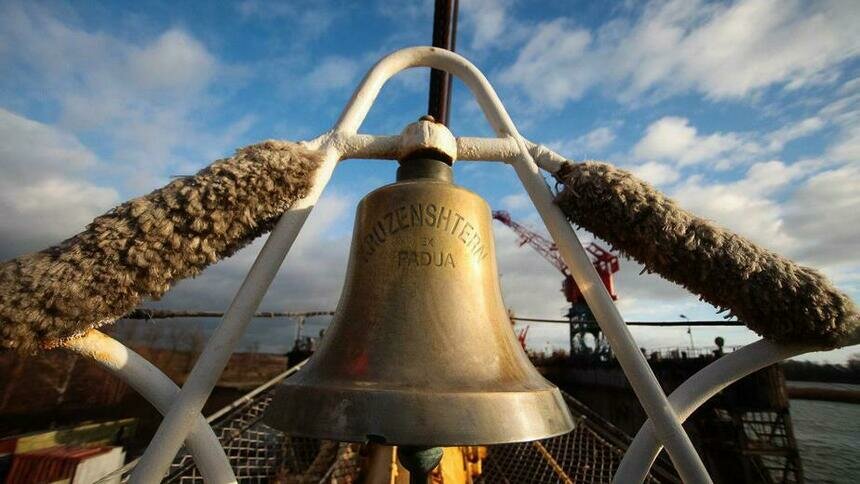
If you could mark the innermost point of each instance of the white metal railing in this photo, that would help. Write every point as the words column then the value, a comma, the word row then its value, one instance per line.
column 183, row 421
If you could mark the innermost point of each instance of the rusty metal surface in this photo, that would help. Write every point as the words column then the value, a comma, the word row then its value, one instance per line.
column 421, row 350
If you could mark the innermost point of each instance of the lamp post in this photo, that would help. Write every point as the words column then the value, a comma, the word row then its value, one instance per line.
column 689, row 331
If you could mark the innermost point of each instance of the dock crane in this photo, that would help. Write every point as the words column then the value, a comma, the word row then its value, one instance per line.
column 581, row 319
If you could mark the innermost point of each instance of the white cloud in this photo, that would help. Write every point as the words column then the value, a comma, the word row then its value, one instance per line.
column 669, row 137
column 43, row 195
column 50, row 210
column 779, row 138
column 845, row 113
column 797, row 210
column 332, row 73
column 30, row 149
column 141, row 100
column 587, row 146
column 490, row 24
column 549, row 66
column 847, row 148
column 740, row 207
column 765, row 178
column 175, row 60
column 756, row 43
column 824, row 215
column 845, row 109
column 144, row 99
column 672, row 138
column 313, row 18
column 516, row 201
column 722, row 51
column 597, row 139
column 656, row 173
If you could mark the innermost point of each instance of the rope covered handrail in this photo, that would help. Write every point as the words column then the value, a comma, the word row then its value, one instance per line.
column 757, row 275
column 776, row 297
column 138, row 250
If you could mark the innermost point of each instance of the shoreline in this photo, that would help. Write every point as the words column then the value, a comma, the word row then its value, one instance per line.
column 802, row 390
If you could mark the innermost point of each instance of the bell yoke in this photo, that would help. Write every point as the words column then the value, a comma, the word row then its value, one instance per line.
column 421, row 351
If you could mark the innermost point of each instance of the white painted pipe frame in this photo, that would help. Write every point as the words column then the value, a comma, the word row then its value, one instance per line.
column 694, row 392
column 344, row 142
column 160, row 391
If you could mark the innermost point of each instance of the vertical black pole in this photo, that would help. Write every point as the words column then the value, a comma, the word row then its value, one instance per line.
column 444, row 37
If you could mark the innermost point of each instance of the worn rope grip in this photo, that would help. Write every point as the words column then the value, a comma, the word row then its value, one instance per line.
column 777, row 298
column 140, row 248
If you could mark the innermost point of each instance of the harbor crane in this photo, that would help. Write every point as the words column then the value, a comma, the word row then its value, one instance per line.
column 581, row 319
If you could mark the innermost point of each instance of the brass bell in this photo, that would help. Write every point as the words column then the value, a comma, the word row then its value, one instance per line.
column 420, row 351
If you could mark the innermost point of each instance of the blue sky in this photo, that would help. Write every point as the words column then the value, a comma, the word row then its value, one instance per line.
column 747, row 112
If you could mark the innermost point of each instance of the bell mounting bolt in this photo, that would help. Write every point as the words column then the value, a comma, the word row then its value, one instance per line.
column 427, row 139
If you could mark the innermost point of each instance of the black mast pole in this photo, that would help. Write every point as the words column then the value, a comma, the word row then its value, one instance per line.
column 444, row 37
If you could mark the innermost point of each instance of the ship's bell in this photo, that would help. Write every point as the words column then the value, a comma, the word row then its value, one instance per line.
column 421, row 350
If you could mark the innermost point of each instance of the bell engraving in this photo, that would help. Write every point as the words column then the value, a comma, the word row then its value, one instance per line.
column 420, row 350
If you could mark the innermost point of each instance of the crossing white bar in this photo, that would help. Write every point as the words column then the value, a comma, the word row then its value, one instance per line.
column 160, row 391
column 179, row 420
column 468, row 149
column 695, row 391
column 668, row 427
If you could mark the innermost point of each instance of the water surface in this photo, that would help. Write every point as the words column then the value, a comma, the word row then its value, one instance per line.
column 828, row 436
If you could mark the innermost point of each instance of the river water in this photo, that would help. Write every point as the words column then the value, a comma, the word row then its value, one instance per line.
column 828, row 435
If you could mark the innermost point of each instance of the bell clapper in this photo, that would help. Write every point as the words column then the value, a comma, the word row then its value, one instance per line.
column 419, row 461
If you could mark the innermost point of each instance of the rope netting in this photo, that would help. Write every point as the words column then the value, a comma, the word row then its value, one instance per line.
column 260, row 454
column 580, row 456
column 590, row 453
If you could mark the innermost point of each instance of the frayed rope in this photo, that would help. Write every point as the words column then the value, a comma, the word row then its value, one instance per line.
column 774, row 296
column 140, row 248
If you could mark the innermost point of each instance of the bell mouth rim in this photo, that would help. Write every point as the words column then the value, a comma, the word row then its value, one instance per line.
column 541, row 385
column 424, row 419
column 378, row 439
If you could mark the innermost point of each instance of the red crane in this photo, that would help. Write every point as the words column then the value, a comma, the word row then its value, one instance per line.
column 604, row 261
column 521, row 337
